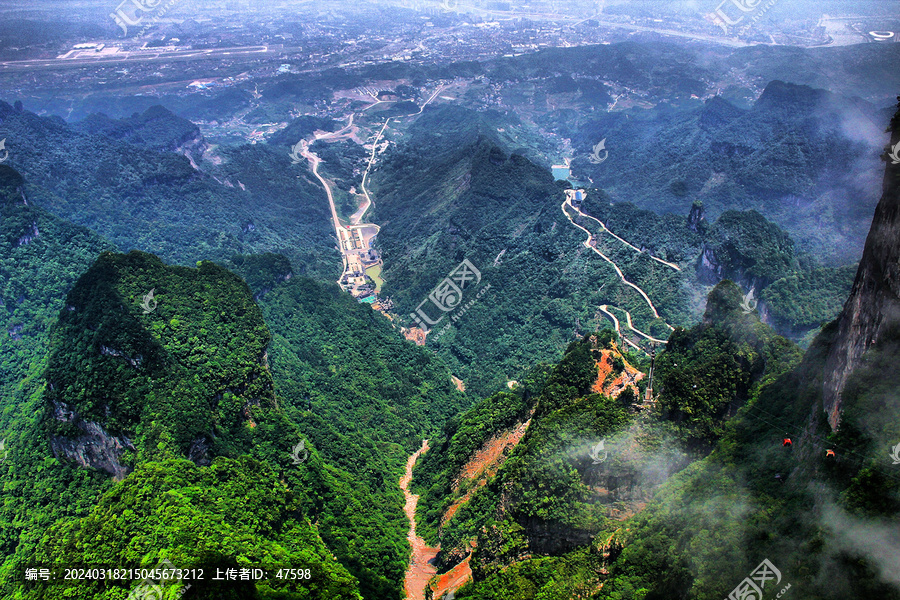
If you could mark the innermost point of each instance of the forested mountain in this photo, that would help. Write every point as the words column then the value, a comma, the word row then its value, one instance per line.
column 453, row 191
column 147, row 413
column 738, row 460
column 155, row 129
column 802, row 157
column 139, row 193
column 437, row 300
column 41, row 257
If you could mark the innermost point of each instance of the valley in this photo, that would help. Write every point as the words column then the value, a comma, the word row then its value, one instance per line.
column 355, row 240
column 420, row 569
column 653, row 240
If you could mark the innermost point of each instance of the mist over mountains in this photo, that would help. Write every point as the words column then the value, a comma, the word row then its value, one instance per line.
column 440, row 300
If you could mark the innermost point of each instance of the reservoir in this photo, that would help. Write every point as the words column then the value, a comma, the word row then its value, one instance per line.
column 560, row 171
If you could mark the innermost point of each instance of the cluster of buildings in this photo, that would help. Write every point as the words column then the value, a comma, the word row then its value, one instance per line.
column 359, row 256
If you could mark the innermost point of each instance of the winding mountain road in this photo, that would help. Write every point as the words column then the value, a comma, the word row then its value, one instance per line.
column 615, row 321
column 632, row 246
column 588, row 244
column 641, row 333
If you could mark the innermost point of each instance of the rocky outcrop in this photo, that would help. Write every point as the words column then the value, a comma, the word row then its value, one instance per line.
column 94, row 448
column 198, row 453
column 872, row 311
column 29, row 236
column 134, row 362
column 712, row 268
column 268, row 288
column 696, row 218
column 553, row 538
column 746, row 248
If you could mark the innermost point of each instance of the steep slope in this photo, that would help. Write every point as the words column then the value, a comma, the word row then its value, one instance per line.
column 137, row 381
column 365, row 397
column 822, row 509
column 451, row 192
column 804, row 158
column 708, row 372
column 795, row 293
column 146, row 352
column 139, row 193
column 872, row 312
column 161, row 431
column 155, row 129
column 41, row 257
column 779, row 486
column 550, row 520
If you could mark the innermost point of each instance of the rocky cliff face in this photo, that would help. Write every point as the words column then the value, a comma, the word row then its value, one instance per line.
column 696, row 218
column 745, row 247
column 872, row 312
column 95, row 447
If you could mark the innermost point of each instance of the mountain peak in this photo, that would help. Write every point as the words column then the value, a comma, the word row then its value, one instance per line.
column 779, row 94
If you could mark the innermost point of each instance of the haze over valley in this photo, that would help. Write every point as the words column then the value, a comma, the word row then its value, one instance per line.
column 436, row 299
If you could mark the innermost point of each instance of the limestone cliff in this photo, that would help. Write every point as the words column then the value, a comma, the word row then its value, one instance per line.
column 872, row 312
column 94, row 447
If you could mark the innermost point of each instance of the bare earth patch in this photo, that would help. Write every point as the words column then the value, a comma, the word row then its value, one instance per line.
column 420, row 570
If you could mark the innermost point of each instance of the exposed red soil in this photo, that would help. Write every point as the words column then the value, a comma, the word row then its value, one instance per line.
column 628, row 378
column 416, row 335
column 488, row 458
column 420, row 570
column 485, row 463
column 452, row 580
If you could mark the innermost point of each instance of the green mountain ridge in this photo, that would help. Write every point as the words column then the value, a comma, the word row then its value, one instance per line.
column 210, row 398
column 452, row 190
column 710, row 523
column 139, row 196
column 133, row 393
column 802, row 157
column 757, row 474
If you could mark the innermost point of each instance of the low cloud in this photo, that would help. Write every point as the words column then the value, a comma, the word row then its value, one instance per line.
column 876, row 540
